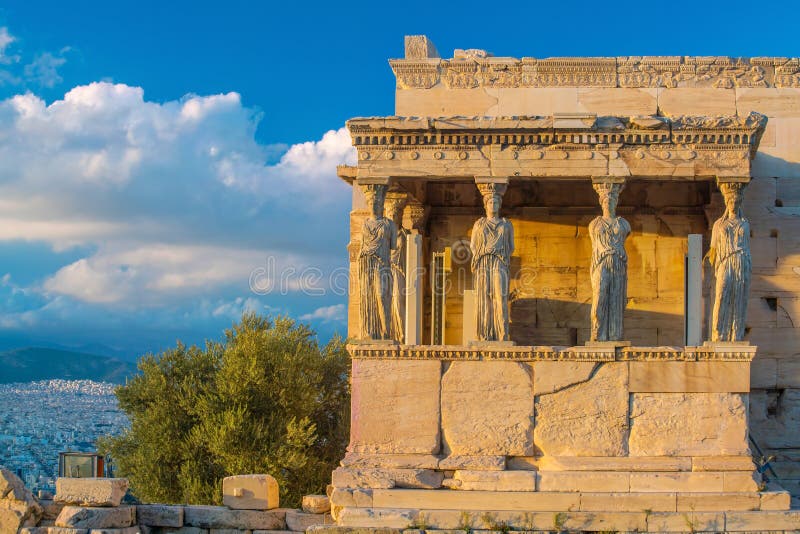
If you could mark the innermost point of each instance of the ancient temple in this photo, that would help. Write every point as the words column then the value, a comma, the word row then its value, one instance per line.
column 560, row 321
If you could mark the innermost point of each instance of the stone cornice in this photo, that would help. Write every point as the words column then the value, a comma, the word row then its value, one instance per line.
column 627, row 71
column 741, row 352
column 564, row 145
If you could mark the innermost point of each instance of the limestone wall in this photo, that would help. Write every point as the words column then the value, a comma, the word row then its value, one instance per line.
column 554, row 242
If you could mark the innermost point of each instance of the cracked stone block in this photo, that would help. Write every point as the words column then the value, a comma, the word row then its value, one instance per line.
column 588, row 418
column 487, row 408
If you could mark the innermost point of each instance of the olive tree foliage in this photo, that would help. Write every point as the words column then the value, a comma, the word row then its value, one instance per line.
column 268, row 399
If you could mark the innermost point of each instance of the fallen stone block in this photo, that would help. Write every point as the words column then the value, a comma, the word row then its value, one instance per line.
column 316, row 504
column 96, row 517
column 51, row 509
column 273, row 532
column 222, row 517
column 32, row 530
column 91, row 491
column 387, row 478
column 159, row 515
column 18, row 507
column 250, row 492
column 300, row 521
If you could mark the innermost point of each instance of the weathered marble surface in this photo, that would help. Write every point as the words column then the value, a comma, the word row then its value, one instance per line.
column 492, row 245
column 688, row 424
column 378, row 239
column 395, row 407
column 586, row 418
column 487, row 408
column 395, row 202
column 730, row 256
column 609, row 268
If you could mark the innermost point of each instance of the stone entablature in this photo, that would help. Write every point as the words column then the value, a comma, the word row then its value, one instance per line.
column 473, row 71
column 574, row 145
column 737, row 352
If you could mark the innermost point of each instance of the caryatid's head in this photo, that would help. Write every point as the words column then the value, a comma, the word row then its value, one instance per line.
column 492, row 194
column 492, row 204
column 395, row 203
column 375, row 195
column 732, row 192
column 609, row 197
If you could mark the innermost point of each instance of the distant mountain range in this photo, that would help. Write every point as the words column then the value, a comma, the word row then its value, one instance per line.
column 33, row 363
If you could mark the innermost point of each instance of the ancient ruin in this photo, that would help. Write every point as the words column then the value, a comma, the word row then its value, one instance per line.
column 561, row 370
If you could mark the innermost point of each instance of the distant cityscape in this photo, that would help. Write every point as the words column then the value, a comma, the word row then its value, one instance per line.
column 40, row 419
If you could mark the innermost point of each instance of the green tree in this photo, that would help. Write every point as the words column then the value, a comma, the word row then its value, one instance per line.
column 268, row 399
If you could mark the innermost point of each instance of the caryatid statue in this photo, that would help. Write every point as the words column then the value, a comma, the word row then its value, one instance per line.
column 395, row 202
column 730, row 255
column 378, row 239
column 492, row 245
column 609, row 269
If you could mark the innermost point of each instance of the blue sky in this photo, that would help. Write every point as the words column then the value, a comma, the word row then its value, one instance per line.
column 155, row 157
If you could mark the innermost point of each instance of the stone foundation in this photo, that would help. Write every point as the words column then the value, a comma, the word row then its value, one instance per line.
column 600, row 438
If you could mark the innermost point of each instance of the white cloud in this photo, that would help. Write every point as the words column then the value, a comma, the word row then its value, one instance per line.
column 326, row 314
column 5, row 40
column 173, row 200
column 235, row 308
column 20, row 70
column 43, row 70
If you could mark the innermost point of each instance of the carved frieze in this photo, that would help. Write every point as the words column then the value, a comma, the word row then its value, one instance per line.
column 420, row 74
column 740, row 352
column 651, row 71
column 574, row 72
column 474, row 70
column 586, row 145
column 788, row 74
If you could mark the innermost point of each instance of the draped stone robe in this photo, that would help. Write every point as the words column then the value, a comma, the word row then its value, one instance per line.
column 730, row 239
column 378, row 239
column 609, row 276
column 398, row 261
column 492, row 245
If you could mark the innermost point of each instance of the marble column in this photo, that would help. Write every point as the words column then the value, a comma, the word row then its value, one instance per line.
column 729, row 254
column 492, row 244
column 609, row 267
column 414, row 218
column 395, row 203
column 693, row 296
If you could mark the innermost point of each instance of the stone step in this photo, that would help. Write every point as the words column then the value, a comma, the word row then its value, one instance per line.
column 536, row 501
column 365, row 521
